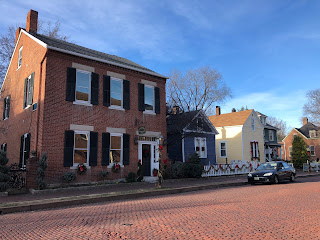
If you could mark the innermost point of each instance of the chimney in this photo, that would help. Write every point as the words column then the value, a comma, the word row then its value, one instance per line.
column 17, row 35
column 218, row 110
column 176, row 110
column 32, row 21
column 233, row 110
column 304, row 120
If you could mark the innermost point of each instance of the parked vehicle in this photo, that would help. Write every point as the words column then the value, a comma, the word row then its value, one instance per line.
column 272, row 172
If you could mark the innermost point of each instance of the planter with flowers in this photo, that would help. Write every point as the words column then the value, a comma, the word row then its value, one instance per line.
column 81, row 169
column 116, row 167
column 155, row 172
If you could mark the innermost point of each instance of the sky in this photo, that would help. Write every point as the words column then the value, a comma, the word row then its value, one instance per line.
column 267, row 51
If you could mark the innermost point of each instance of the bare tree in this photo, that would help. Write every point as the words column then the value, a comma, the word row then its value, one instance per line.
column 7, row 42
column 196, row 89
column 281, row 125
column 312, row 108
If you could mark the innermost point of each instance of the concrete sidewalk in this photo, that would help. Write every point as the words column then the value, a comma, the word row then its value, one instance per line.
column 64, row 197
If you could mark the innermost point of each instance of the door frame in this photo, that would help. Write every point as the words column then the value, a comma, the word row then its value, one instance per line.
column 154, row 154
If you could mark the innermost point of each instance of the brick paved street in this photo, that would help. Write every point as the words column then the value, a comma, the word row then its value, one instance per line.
column 284, row 211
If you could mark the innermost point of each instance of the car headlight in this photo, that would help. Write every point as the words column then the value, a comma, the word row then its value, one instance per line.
column 249, row 175
column 267, row 174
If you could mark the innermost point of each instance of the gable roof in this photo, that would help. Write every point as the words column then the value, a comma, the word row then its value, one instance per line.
column 74, row 49
column 230, row 119
column 306, row 128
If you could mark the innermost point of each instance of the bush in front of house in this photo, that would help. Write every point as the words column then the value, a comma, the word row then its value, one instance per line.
column 69, row 177
column 4, row 176
column 131, row 177
column 104, row 174
column 190, row 169
column 42, row 166
column 178, row 170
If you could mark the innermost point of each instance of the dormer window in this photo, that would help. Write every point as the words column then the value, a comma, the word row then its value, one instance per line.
column 312, row 134
column 20, row 57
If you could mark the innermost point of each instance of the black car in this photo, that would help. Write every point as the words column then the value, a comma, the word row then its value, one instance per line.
column 272, row 172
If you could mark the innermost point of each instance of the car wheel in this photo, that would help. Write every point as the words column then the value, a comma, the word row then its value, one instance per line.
column 276, row 179
column 292, row 178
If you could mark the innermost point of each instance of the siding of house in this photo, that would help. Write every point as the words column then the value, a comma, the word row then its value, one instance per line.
column 175, row 147
column 233, row 136
column 266, row 136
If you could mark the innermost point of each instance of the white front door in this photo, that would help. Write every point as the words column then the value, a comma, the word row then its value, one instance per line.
column 148, row 154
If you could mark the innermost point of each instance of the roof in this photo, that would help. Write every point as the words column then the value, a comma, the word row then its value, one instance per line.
column 177, row 122
column 60, row 45
column 230, row 119
column 306, row 128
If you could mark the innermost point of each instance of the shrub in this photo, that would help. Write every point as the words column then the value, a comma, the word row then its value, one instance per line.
column 131, row 177
column 178, row 170
column 69, row 177
column 4, row 176
column 104, row 174
column 193, row 167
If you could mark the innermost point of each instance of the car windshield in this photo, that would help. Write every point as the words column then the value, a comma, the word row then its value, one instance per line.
column 267, row 166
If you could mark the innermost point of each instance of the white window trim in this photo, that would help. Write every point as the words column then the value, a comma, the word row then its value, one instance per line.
column 75, row 165
column 20, row 57
column 200, row 146
column 121, row 158
column 153, row 112
column 271, row 137
column 225, row 142
column 81, row 102
column 27, row 92
column 314, row 150
column 312, row 132
column 290, row 152
column 6, row 108
column 115, row 106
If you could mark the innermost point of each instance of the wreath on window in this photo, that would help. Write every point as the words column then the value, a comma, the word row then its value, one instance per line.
column 116, row 167
column 81, row 169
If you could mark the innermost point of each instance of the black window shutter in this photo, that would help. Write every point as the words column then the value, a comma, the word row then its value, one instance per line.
column 8, row 103
column 30, row 98
column 141, row 96
column 27, row 147
column 157, row 99
column 25, row 93
column 106, row 90
column 5, row 147
column 21, row 151
column 4, row 107
column 94, row 88
column 68, row 148
column 126, row 94
column 71, row 84
column 93, row 149
column 126, row 149
column 105, row 149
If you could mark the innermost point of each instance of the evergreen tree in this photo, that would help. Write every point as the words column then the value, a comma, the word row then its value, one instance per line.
column 299, row 154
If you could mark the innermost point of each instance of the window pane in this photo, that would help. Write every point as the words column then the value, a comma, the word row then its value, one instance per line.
column 223, row 145
column 82, row 94
column 115, row 142
column 80, row 156
column 83, row 79
column 148, row 93
column 116, row 99
column 116, row 86
column 223, row 153
column 115, row 156
column 81, row 140
column 148, row 105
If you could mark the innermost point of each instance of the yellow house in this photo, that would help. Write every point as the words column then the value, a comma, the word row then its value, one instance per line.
column 240, row 136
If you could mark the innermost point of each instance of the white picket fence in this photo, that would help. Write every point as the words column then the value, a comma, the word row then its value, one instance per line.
column 314, row 166
column 236, row 167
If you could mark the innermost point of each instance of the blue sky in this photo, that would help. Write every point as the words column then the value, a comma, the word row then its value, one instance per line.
column 267, row 51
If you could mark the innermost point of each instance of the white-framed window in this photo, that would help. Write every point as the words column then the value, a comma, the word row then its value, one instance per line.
column 252, row 124
column 254, row 149
column 81, row 148
column 116, row 143
column 6, row 107
column 200, row 145
column 223, row 149
column 290, row 151
column 28, row 91
column 312, row 150
column 20, row 57
column 149, row 102
column 312, row 134
column 83, row 86
column 271, row 136
column 116, row 92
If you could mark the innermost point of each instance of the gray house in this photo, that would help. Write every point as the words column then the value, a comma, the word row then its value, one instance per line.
column 191, row 132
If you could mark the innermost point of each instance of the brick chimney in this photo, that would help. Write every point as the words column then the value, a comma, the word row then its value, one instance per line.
column 32, row 21
column 304, row 120
column 233, row 110
column 218, row 110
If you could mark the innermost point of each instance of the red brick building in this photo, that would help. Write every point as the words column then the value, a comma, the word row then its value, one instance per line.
column 80, row 106
column 310, row 133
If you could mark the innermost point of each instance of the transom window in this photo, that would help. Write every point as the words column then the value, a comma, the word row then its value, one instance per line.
column 83, row 86
column 201, row 147
column 149, row 98
column 20, row 57
column 116, row 92
column 115, row 148
column 223, row 149
column 81, row 146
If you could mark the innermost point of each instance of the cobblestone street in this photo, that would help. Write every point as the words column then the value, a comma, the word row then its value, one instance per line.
column 284, row 211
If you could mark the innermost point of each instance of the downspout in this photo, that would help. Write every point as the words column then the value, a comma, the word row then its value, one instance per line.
column 39, row 95
column 285, row 150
